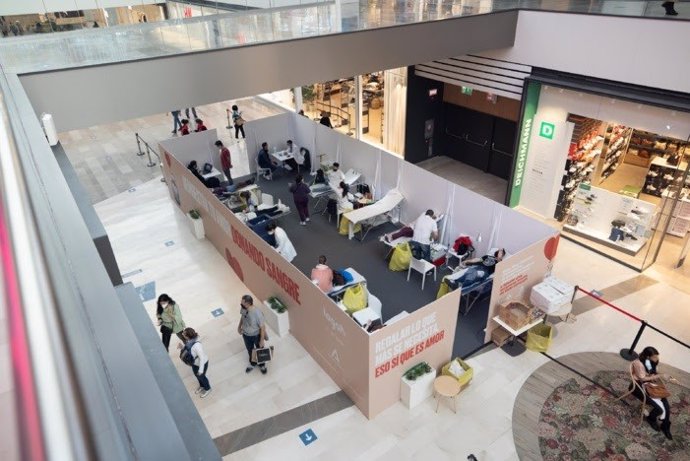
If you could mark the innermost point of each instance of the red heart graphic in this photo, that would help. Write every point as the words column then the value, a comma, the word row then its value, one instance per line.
column 235, row 264
column 551, row 247
column 167, row 159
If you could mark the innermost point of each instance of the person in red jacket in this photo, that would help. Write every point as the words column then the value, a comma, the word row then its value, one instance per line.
column 200, row 125
column 225, row 162
column 184, row 129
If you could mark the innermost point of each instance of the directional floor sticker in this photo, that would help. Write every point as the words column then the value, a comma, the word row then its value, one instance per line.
column 217, row 312
column 307, row 437
column 147, row 291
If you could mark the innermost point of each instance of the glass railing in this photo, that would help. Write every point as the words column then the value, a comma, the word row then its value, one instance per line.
column 152, row 39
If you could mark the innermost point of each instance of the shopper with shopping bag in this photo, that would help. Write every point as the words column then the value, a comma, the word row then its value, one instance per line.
column 252, row 327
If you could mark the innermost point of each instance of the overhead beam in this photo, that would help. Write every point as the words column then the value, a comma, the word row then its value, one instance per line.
column 83, row 97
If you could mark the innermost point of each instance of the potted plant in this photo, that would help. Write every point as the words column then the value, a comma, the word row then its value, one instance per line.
column 417, row 384
column 275, row 313
column 196, row 223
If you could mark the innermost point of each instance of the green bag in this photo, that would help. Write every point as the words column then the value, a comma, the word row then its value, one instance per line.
column 539, row 337
column 355, row 298
column 400, row 260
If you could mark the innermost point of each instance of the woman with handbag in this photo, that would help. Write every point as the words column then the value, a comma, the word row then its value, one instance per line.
column 645, row 373
column 238, row 122
column 169, row 319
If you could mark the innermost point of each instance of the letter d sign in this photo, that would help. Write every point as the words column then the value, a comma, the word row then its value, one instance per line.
column 546, row 130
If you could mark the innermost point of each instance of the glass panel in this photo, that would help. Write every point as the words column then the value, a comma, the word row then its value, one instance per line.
column 372, row 107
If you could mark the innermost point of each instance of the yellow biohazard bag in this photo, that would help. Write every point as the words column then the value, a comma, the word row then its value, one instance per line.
column 443, row 289
column 539, row 337
column 355, row 298
column 400, row 260
column 344, row 228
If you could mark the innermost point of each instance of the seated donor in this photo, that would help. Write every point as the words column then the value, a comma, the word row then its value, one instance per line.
column 194, row 168
column 283, row 243
column 425, row 230
column 487, row 262
column 248, row 202
column 293, row 150
column 200, row 125
column 184, row 129
column 335, row 176
column 322, row 275
column 345, row 198
column 265, row 158
column 645, row 374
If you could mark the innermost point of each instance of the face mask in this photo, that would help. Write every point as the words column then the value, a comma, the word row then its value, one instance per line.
column 648, row 364
column 164, row 305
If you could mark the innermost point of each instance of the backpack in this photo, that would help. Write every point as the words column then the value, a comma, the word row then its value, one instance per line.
column 320, row 177
column 462, row 244
column 186, row 353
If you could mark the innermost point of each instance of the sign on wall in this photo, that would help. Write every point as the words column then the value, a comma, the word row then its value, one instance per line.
column 531, row 104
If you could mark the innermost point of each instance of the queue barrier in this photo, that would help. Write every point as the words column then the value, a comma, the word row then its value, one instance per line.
column 629, row 354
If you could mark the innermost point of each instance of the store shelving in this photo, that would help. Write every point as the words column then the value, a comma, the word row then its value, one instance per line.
column 617, row 139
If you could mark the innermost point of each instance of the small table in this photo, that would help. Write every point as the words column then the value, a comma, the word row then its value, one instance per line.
column 448, row 387
column 519, row 331
column 282, row 156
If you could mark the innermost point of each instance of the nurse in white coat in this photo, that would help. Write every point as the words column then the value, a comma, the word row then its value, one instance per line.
column 283, row 244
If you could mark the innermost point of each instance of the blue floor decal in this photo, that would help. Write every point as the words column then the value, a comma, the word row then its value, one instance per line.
column 217, row 312
column 307, row 437
column 169, row 243
column 147, row 292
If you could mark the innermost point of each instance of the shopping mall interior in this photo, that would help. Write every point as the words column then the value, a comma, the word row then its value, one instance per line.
column 461, row 225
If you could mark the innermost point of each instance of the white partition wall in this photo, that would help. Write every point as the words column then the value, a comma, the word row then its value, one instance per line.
column 422, row 190
column 304, row 134
column 327, row 143
column 196, row 146
column 473, row 215
column 389, row 173
column 274, row 130
column 360, row 156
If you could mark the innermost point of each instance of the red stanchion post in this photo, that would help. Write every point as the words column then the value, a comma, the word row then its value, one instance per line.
column 630, row 354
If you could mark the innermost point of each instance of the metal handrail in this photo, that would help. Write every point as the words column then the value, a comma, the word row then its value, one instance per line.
column 46, row 399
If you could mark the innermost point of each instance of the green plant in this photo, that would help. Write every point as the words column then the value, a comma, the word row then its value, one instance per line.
column 308, row 93
column 277, row 305
column 194, row 214
column 417, row 371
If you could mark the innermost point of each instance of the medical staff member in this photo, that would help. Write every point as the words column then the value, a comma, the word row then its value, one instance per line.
column 425, row 230
column 335, row 176
column 283, row 244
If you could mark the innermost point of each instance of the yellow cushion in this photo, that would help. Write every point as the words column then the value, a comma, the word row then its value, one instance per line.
column 465, row 377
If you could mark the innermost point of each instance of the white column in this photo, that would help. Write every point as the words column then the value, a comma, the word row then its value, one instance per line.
column 358, row 106
column 298, row 98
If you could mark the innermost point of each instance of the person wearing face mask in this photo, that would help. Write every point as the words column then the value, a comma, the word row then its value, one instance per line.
column 252, row 327
column 283, row 244
column 645, row 373
column 335, row 176
column 169, row 319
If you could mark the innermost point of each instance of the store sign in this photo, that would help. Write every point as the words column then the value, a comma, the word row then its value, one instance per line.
column 530, row 110
column 546, row 130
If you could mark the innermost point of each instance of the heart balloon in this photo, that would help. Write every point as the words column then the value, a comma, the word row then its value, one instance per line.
column 551, row 247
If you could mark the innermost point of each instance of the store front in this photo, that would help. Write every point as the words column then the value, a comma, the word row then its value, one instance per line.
column 611, row 173
column 380, row 96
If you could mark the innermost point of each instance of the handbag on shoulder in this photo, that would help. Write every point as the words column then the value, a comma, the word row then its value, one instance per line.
column 657, row 390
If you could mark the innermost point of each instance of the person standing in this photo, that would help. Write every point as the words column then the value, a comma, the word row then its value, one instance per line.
column 176, row 120
column 300, row 193
column 283, row 244
column 200, row 366
column 670, row 8
column 169, row 318
column 238, row 121
column 252, row 327
column 225, row 161
column 425, row 230
column 186, row 112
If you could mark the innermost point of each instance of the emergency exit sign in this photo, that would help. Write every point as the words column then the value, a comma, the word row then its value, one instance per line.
column 466, row 90
column 546, row 130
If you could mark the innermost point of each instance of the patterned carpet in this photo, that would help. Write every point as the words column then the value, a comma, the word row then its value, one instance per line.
column 581, row 421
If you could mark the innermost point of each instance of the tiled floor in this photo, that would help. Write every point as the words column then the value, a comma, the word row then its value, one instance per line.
column 197, row 277
column 105, row 156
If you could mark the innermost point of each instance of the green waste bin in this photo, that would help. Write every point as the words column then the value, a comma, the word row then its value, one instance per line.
column 539, row 337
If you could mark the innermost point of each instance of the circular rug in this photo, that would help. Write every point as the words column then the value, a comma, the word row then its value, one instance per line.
column 581, row 421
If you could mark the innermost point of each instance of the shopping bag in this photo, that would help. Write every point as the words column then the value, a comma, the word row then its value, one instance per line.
column 355, row 298
column 262, row 354
column 539, row 337
column 344, row 228
column 443, row 289
column 400, row 260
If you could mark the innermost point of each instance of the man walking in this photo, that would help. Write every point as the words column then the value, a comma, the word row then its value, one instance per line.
column 177, row 124
column 186, row 112
column 253, row 330
column 225, row 162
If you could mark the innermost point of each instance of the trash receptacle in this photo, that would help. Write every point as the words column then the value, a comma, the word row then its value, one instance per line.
column 539, row 337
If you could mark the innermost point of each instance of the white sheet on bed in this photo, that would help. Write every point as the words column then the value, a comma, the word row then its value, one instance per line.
column 385, row 205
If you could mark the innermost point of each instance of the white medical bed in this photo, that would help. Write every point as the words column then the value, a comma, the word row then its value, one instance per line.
column 374, row 215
